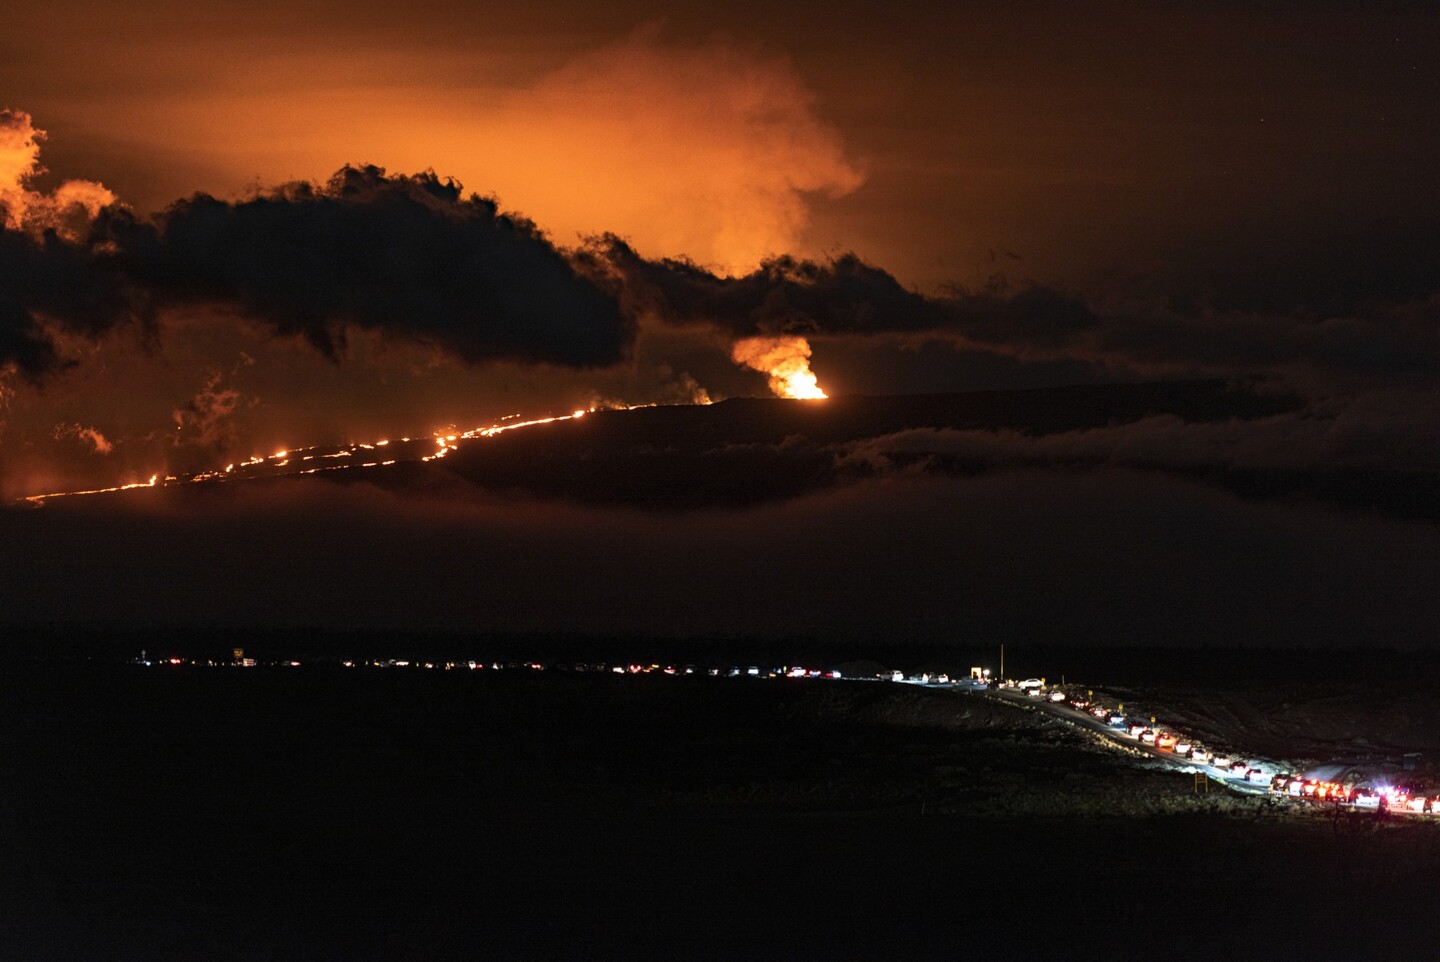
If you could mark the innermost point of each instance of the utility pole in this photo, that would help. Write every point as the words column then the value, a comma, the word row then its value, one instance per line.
column 1002, row 662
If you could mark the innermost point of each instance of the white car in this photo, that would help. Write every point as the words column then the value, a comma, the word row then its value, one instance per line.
column 1057, row 696
column 1148, row 737
column 1365, row 798
column 1200, row 755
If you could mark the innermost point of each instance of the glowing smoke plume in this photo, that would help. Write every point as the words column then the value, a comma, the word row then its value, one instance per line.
column 92, row 436
column 785, row 359
column 68, row 209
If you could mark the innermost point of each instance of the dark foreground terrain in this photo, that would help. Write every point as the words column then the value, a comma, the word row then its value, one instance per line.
column 366, row 814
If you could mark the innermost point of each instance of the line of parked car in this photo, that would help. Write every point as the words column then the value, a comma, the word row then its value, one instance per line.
column 1165, row 740
column 1360, row 794
column 1363, row 794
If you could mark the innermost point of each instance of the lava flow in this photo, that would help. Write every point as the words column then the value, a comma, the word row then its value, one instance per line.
column 318, row 458
column 785, row 359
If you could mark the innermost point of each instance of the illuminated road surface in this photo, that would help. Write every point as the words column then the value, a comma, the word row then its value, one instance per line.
column 1089, row 721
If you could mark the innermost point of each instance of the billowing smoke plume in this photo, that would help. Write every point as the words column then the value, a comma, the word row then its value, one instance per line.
column 46, row 278
column 205, row 420
column 67, row 210
column 87, row 435
column 787, row 362
column 712, row 149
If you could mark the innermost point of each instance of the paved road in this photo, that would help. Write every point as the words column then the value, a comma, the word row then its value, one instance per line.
column 1083, row 719
column 1089, row 721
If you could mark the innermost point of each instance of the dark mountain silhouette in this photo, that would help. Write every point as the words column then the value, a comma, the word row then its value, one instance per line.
column 753, row 450
column 748, row 451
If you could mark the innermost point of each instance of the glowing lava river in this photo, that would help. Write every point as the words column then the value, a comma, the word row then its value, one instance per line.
column 335, row 457
column 785, row 360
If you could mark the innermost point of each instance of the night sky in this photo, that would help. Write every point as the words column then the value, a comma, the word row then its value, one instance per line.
column 236, row 229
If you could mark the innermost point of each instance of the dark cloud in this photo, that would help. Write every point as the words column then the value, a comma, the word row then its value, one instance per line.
column 1306, row 261
column 412, row 257
column 49, row 286
column 406, row 256
column 1379, row 342
column 845, row 295
column 1035, row 322
column 783, row 296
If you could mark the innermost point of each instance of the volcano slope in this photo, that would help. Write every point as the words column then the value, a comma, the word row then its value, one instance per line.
column 746, row 451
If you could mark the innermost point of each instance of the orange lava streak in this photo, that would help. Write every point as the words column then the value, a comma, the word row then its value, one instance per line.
column 42, row 498
column 445, row 444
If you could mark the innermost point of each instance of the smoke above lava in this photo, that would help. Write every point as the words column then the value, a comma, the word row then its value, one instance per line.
column 371, row 270
column 786, row 360
column 67, row 209
column 413, row 258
